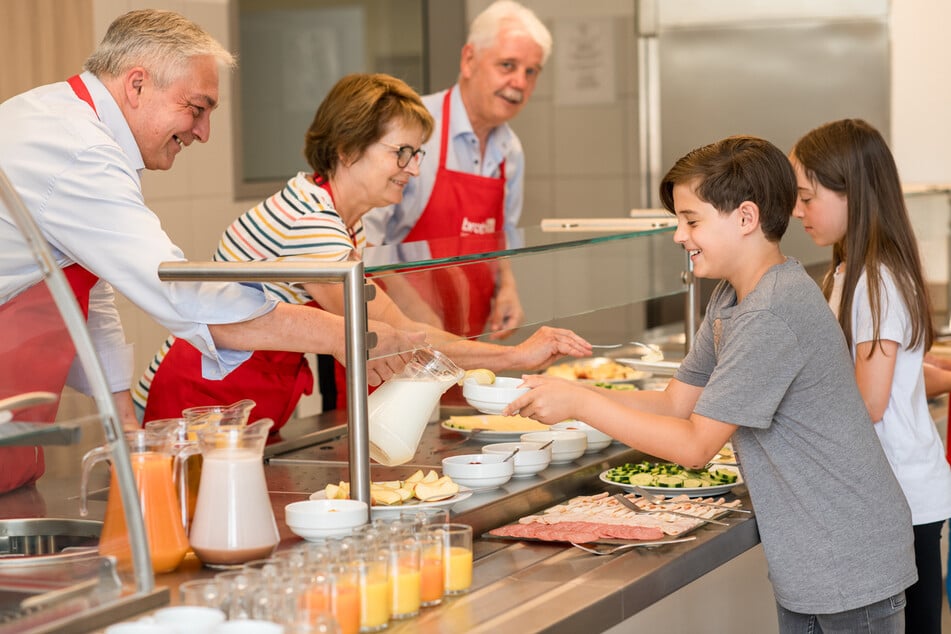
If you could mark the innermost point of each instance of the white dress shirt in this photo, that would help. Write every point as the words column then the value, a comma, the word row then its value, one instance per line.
column 78, row 173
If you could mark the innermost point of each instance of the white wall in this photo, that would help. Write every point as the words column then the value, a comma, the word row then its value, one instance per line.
column 921, row 90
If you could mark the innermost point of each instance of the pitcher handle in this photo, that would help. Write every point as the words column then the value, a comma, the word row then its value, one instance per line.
column 180, row 468
column 90, row 459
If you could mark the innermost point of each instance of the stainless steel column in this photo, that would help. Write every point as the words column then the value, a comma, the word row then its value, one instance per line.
column 355, row 325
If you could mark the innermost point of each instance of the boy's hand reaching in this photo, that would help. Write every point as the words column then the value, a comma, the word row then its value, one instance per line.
column 550, row 400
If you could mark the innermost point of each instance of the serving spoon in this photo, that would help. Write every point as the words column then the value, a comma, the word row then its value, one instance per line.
column 510, row 456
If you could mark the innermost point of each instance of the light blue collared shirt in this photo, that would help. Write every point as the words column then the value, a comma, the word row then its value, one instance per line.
column 387, row 225
column 78, row 173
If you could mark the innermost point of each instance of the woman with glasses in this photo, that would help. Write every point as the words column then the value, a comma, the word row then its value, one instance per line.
column 363, row 147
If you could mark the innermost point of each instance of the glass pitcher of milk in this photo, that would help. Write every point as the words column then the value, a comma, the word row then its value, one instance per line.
column 233, row 522
column 399, row 409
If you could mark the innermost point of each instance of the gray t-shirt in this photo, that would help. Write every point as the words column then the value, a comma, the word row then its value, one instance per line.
column 832, row 518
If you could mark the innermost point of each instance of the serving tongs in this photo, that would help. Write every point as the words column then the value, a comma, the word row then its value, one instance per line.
column 620, row 497
column 610, row 549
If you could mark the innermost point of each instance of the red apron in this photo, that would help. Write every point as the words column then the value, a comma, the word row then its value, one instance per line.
column 460, row 205
column 273, row 379
column 36, row 353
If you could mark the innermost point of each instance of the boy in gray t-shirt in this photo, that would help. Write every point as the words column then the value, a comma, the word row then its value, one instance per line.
column 770, row 369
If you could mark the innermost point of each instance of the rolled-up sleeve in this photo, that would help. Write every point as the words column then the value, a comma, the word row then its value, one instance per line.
column 119, row 239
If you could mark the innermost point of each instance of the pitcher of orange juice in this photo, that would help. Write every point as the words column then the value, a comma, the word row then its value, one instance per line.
column 152, row 459
column 182, row 434
column 233, row 522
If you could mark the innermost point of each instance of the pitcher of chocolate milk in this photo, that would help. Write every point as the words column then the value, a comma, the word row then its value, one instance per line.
column 233, row 521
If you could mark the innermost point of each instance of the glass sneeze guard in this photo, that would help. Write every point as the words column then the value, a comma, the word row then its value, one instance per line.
column 42, row 325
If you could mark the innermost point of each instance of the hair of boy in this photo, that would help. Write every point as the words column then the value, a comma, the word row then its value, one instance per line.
column 162, row 42
column 486, row 26
column 734, row 170
column 850, row 157
column 355, row 114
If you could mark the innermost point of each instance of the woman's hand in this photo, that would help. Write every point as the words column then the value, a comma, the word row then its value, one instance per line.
column 547, row 345
column 393, row 349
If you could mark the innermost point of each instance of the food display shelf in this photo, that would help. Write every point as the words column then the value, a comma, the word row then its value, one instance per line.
column 524, row 585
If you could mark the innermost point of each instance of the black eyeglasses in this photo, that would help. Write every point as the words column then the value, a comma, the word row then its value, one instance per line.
column 406, row 153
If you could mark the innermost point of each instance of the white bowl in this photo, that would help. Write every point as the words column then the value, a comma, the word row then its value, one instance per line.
column 492, row 398
column 316, row 520
column 597, row 439
column 478, row 471
column 567, row 445
column 529, row 460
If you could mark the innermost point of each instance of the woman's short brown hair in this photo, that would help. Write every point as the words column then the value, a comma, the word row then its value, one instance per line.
column 355, row 114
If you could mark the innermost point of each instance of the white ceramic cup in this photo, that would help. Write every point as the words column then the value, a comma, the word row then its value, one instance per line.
column 189, row 619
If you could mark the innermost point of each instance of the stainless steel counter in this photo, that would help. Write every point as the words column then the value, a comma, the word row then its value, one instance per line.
column 517, row 586
column 531, row 586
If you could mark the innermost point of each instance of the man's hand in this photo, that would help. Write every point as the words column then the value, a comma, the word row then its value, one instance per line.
column 507, row 313
column 126, row 410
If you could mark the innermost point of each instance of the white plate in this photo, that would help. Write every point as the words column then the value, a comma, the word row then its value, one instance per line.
column 389, row 511
column 726, row 456
column 598, row 361
column 698, row 492
column 490, row 436
column 655, row 368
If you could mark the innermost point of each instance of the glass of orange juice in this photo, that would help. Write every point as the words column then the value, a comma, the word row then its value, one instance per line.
column 457, row 556
column 345, row 596
column 404, row 576
column 375, row 590
column 432, row 582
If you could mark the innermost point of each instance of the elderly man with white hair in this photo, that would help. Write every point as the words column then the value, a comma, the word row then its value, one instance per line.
column 472, row 181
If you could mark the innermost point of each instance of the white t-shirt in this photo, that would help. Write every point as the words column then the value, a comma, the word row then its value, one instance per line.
column 907, row 432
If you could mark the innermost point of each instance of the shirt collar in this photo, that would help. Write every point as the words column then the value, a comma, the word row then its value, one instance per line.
column 460, row 126
column 112, row 117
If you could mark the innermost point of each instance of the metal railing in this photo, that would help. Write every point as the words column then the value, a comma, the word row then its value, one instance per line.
column 358, row 340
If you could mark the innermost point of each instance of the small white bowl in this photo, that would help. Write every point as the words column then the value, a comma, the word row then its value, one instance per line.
column 529, row 460
column 478, row 471
column 567, row 445
column 316, row 520
column 597, row 439
column 492, row 398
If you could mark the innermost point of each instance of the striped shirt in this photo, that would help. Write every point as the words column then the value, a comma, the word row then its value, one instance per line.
column 298, row 223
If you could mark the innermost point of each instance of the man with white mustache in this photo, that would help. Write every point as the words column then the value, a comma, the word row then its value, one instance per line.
column 473, row 179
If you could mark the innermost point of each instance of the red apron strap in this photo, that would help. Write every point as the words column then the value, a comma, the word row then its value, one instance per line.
column 460, row 205
column 79, row 87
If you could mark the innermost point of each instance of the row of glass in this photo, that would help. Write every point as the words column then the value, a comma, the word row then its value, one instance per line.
column 388, row 569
